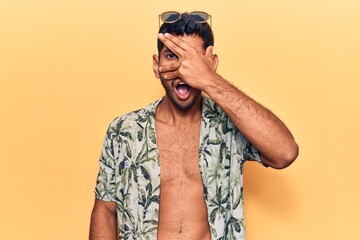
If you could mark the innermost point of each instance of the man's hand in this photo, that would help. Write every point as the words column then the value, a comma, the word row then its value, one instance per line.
column 196, row 67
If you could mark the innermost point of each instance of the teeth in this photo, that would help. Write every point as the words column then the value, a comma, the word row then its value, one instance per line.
column 182, row 83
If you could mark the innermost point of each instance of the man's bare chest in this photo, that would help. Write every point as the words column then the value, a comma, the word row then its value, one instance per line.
column 179, row 153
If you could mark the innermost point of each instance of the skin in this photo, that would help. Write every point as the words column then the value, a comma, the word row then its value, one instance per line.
column 103, row 221
column 259, row 125
column 183, row 213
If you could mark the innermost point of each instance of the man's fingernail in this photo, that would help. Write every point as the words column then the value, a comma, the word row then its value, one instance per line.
column 161, row 35
column 166, row 34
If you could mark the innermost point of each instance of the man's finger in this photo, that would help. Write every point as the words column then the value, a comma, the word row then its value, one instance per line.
column 170, row 67
column 168, row 41
column 170, row 75
column 179, row 42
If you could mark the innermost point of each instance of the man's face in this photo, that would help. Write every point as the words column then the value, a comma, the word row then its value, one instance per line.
column 179, row 93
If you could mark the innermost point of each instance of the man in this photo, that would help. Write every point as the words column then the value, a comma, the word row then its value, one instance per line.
column 199, row 142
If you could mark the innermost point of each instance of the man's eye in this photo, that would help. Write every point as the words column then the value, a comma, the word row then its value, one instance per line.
column 171, row 56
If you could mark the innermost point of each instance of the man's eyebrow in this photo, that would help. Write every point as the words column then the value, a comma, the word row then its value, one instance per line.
column 167, row 50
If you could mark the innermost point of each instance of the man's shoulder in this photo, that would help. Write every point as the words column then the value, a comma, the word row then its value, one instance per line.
column 211, row 110
column 214, row 117
column 137, row 116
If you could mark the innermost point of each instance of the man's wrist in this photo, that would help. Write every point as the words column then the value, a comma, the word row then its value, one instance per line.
column 213, row 85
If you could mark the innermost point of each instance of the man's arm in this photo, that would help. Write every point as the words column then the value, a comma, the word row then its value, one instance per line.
column 261, row 127
column 103, row 224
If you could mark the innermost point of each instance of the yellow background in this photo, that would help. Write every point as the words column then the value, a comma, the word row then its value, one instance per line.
column 67, row 68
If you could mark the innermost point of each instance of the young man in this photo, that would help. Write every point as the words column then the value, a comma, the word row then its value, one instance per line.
column 173, row 170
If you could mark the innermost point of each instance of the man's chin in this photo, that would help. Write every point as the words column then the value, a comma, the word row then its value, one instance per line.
column 185, row 105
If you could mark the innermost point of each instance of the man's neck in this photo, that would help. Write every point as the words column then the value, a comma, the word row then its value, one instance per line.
column 167, row 112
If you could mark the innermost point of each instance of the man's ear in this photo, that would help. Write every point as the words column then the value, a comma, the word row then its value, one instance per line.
column 156, row 63
column 214, row 58
column 215, row 61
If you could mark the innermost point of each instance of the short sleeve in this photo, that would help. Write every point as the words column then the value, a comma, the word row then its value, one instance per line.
column 105, row 184
column 251, row 153
column 246, row 149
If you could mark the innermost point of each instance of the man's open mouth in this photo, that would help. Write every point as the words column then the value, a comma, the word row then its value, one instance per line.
column 182, row 90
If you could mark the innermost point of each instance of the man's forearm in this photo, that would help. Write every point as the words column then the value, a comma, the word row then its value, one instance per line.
column 259, row 125
column 103, row 224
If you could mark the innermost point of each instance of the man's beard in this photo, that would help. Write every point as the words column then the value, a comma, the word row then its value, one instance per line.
column 183, row 108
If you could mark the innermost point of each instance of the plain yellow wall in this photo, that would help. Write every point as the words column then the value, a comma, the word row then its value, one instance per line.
column 67, row 68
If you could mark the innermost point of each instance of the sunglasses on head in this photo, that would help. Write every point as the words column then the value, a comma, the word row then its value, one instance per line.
column 173, row 16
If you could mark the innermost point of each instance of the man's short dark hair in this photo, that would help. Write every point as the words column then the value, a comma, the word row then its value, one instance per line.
column 187, row 26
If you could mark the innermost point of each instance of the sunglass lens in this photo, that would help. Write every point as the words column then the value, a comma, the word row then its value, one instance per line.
column 199, row 16
column 170, row 16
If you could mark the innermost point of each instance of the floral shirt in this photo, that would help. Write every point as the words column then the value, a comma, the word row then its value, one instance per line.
column 130, row 172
